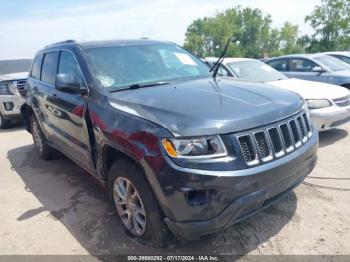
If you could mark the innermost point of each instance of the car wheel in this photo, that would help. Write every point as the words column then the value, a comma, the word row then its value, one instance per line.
column 4, row 123
column 136, row 205
column 40, row 143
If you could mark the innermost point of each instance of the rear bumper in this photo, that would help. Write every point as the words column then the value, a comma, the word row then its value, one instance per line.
column 251, row 191
column 328, row 118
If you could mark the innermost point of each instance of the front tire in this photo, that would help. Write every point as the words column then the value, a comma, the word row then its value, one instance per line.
column 136, row 205
column 40, row 143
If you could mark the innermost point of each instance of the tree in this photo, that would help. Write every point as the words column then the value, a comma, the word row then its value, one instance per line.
column 252, row 31
column 288, row 39
column 331, row 24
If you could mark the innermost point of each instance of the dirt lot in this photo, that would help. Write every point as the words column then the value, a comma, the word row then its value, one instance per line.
column 53, row 207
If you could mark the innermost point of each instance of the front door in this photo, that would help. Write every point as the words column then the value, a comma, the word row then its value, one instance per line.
column 67, row 112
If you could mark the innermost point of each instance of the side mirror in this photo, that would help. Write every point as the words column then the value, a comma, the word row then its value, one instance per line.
column 318, row 69
column 68, row 84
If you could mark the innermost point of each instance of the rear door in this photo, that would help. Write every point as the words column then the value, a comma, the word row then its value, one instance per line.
column 41, row 85
column 280, row 65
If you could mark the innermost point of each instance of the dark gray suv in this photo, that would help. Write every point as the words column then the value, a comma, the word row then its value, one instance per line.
column 181, row 152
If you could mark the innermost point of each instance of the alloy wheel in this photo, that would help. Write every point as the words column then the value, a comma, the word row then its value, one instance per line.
column 129, row 206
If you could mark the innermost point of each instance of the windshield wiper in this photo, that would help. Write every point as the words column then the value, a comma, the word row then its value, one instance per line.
column 136, row 86
column 218, row 62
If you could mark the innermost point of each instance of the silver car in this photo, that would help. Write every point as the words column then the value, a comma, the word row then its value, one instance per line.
column 343, row 56
column 313, row 67
column 329, row 105
column 13, row 77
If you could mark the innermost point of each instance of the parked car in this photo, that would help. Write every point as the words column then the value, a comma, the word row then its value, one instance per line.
column 329, row 105
column 313, row 67
column 13, row 75
column 179, row 152
column 343, row 56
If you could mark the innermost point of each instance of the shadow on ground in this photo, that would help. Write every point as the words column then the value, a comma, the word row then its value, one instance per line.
column 73, row 198
column 332, row 136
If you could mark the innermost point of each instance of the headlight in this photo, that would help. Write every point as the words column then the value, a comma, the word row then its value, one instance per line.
column 318, row 103
column 4, row 89
column 203, row 147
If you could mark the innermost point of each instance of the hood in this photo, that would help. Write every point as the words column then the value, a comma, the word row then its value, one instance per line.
column 341, row 73
column 311, row 89
column 207, row 107
column 14, row 76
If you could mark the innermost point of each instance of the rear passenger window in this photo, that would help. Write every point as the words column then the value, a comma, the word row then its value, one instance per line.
column 35, row 73
column 279, row 65
column 49, row 68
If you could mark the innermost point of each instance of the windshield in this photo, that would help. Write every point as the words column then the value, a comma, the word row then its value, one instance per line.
column 14, row 66
column 254, row 70
column 332, row 63
column 119, row 67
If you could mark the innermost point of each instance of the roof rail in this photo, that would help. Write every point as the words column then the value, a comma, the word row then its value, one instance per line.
column 62, row 42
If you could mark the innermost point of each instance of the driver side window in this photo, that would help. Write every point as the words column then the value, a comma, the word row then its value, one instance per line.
column 69, row 68
column 301, row 65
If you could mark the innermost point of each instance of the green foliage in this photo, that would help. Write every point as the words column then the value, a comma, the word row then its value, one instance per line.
column 252, row 31
column 331, row 24
column 256, row 38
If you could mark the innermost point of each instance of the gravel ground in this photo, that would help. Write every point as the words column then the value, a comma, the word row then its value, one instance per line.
column 54, row 207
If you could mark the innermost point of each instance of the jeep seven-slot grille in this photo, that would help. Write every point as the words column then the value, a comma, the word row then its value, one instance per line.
column 21, row 87
column 247, row 148
column 275, row 141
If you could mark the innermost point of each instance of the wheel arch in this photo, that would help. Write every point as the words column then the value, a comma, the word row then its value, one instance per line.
column 110, row 154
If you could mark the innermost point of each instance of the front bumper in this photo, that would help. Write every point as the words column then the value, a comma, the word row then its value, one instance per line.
column 16, row 101
column 238, row 194
column 330, row 117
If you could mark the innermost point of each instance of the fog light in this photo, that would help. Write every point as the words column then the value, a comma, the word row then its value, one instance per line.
column 199, row 197
column 8, row 106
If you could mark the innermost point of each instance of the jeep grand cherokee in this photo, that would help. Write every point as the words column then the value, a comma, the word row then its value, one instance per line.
column 181, row 152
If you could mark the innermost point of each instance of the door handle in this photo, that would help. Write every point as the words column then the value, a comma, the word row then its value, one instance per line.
column 35, row 88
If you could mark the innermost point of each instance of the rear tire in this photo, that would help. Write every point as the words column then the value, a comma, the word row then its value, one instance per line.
column 40, row 142
column 154, row 232
column 4, row 123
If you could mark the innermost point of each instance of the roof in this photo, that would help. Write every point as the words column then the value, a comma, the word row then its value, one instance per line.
column 345, row 53
column 106, row 43
column 228, row 59
column 297, row 55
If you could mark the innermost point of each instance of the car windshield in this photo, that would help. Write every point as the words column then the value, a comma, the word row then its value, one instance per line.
column 254, row 70
column 332, row 63
column 119, row 67
column 14, row 66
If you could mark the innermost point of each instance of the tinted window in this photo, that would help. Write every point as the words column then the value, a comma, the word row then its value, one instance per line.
column 280, row 64
column 36, row 68
column 69, row 68
column 49, row 68
column 301, row 65
column 344, row 58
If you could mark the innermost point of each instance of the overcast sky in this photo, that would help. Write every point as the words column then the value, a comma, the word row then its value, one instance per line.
column 26, row 26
